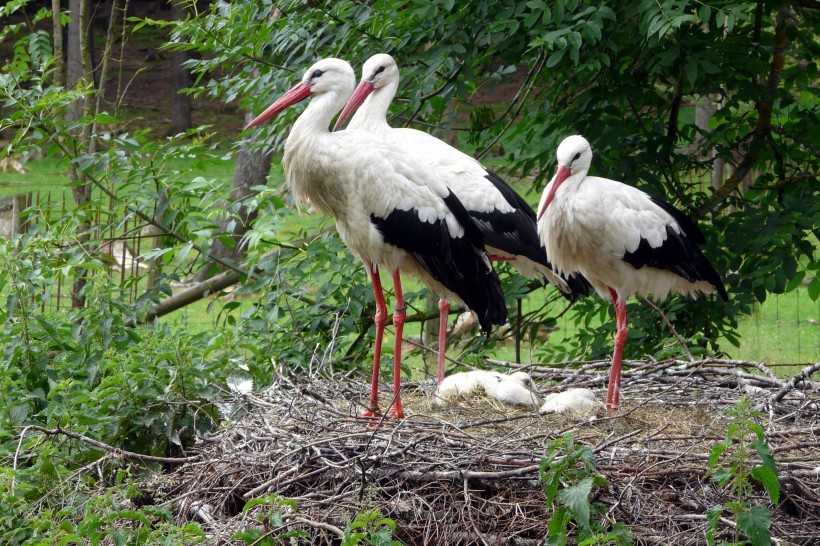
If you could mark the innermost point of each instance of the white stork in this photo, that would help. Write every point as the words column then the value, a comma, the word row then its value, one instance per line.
column 506, row 220
column 389, row 209
column 621, row 239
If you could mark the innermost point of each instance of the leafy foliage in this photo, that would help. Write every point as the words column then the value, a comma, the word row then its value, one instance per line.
column 102, row 516
column 743, row 436
column 568, row 475
column 370, row 528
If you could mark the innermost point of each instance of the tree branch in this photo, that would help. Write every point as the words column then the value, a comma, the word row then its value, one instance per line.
column 802, row 376
column 59, row 431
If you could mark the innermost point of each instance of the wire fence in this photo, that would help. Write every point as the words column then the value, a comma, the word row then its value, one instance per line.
column 117, row 246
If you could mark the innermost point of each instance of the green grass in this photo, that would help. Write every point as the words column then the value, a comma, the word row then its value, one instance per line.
column 51, row 174
column 47, row 175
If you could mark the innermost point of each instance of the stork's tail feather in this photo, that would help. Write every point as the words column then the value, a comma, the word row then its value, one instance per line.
column 470, row 275
column 578, row 285
column 488, row 303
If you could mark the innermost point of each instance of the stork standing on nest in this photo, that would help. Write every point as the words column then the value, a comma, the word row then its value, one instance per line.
column 621, row 239
column 390, row 210
column 505, row 219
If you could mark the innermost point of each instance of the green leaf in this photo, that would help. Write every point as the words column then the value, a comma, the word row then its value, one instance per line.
column 714, row 456
column 768, row 478
column 757, row 429
column 184, row 250
column 255, row 502
column 576, row 499
column 50, row 330
column 722, row 476
column 557, row 527
column 550, row 37
column 712, row 517
column 656, row 24
column 755, row 522
column 555, row 58
column 691, row 69
column 765, row 454
column 705, row 13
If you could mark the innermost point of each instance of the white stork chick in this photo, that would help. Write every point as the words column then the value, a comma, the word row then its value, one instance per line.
column 390, row 210
column 505, row 219
column 516, row 389
column 569, row 401
column 620, row 239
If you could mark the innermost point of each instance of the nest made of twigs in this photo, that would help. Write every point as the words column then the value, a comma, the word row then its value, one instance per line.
column 468, row 473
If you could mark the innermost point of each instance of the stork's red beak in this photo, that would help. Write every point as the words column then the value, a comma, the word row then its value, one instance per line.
column 361, row 93
column 560, row 175
column 298, row 93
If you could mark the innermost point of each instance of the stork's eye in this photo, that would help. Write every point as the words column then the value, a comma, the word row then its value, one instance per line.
column 316, row 73
column 379, row 70
column 576, row 156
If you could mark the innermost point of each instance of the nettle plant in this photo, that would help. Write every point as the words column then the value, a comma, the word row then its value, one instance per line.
column 569, row 476
column 739, row 473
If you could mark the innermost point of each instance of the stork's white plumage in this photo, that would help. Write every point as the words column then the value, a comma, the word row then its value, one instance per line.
column 506, row 220
column 389, row 210
column 621, row 239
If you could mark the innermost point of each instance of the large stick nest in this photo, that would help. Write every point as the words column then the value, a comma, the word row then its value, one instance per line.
column 468, row 473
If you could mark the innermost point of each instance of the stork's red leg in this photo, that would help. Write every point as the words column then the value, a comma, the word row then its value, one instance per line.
column 398, row 326
column 381, row 321
column 613, row 391
column 444, row 314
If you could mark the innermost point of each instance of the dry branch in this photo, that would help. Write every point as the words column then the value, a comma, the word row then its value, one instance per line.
column 58, row 431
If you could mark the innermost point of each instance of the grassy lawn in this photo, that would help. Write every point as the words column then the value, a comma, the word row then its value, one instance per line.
column 47, row 175
column 50, row 174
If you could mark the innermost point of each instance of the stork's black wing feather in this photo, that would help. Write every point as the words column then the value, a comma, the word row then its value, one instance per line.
column 679, row 252
column 459, row 263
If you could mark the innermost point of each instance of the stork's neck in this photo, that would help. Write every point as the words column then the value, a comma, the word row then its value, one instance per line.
column 568, row 190
column 318, row 114
column 372, row 114
column 304, row 152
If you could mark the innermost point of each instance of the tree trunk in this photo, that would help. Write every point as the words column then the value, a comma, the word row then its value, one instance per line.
column 252, row 168
column 180, row 79
column 704, row 110
column 79, row 73
column 78, row 10
column 59, row 56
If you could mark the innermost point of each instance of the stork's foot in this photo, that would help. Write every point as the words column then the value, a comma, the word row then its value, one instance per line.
column 396, row 413
column 372, row 413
